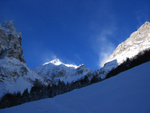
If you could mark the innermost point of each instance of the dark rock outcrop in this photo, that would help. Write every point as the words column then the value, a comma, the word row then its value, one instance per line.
column 10, row 42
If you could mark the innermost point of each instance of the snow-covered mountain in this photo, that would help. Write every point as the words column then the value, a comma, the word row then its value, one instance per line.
column 55, row 77
column 56, row 70
column 15, row 76
column 127, row 92
column 136, row 45
column 17, row 80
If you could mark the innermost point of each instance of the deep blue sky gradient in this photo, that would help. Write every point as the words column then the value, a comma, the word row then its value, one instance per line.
column 75, row 31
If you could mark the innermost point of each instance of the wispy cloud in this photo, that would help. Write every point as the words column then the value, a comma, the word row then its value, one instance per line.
column 103, row 45
column 37, row 53
column 105, row 51
column 104, row 29
column 47, row 56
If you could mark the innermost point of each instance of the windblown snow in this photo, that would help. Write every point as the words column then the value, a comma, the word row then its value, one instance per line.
column 127, row 92
column 57, row 62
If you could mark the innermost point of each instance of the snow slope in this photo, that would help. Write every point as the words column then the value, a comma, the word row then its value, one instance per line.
column 127, row 92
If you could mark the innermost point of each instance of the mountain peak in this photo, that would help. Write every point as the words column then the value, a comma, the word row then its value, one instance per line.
column 57, row 62
column 144, row 27
column 146, row 23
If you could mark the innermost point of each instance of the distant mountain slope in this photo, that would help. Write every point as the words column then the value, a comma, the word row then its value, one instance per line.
column 55, row 71
column 127, row 92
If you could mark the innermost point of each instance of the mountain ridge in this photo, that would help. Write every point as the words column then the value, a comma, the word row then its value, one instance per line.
column 137, row 42
column 56, row 70
column 135, row 46
column 58, row 62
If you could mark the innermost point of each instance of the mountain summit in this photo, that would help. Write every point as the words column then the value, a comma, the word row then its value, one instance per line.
column 56, row 70
column 57, row 62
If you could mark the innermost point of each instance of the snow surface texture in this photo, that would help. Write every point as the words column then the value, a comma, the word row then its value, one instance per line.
column 136, row 43
column 56, row 70
column 15, row 76
column 127, row 92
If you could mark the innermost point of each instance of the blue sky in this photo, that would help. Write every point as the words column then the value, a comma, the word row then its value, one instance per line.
column 75, row 31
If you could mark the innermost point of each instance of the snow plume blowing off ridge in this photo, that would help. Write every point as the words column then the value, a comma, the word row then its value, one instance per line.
column 103, row 46
column 57, row 62
column 105, row 52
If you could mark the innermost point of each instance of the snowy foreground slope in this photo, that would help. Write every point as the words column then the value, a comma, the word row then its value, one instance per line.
column 127, row 92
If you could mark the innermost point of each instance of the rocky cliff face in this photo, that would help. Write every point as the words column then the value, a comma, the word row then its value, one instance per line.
column 15, row 76
column 10, row 42
column 136, row 43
